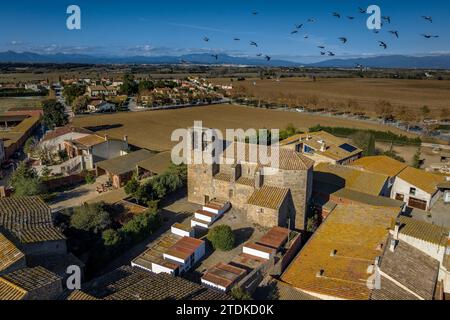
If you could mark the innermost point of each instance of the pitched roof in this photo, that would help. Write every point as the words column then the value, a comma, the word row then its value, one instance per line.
column 344, row 246
column 126, row 163
column 369, row 199
column 268, row 197
column 89, row 140
column 9, row 253
column 423, row 230
column 391, row 291
column 64, row 130
column 185, row 247
column 9, row 291
column 78, row 295
column 30, row 279
column 411, row 268
column 381, row 164
column 275, row 238
column 132, row 283
column 425, row 181
column 158, row 163
column 29, row 219
column 350, row 178
column 335, row 148
column 287, row 159
column 223, row 275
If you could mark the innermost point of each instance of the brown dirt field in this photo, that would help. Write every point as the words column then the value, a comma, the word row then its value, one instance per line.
column 152, row 129
column 413, row 94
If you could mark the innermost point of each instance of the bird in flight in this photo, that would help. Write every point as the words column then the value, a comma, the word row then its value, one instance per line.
column 362, row 10
column 331, row 54
column 253, row 43
column 337, row 15
column 259, row 55
column 376, row 31
column 322, row 53
column 237, row 39
column 383, row 44
column 350, row 18
column 268, row 58
column 394, row 32
column 206, row 39
column 429, row 36
column 306, row 36
column 311, row 20
column 294, row 32
column 299, row 26
column 321, row 47
column 215, row 56
column 387, row 19
column 254, row 12
column 428, row 18
column 343, row 39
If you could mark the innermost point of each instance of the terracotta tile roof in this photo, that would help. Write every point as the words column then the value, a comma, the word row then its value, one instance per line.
column 275, row 238
column 424, row 231
column 425, row 181
column 343, row 247
column 350, row 178
column 78, row 295
column 333, row 144
column 90, row 140
column 258, row 247
column 131, row 283
column 288, row 159
column 268, row 197
column 30, row 279
column 380, row 164
column 224, row 275
column 29, row 219
column 64, row 130
column 287, row 292
column 392, row 292
column 155, row 253
column 9, row 291
column 185, row 248
column 411, row 268
column 9, row 253
column 246, row 181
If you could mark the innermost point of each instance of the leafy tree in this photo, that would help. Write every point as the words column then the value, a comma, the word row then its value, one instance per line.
column 222, row 238
column 129, row 86
column 365, row 141
column 313, row 223
column 54, row 114
column 91, row 217
column 132, row 186
column 30, row 146
column 26, row 182
column 416, row 159
column 111, row 238
column 146, row 85
column 89, row 178
column 72, row 91
column 80, row 104
column 141, row 226
column 239, row 293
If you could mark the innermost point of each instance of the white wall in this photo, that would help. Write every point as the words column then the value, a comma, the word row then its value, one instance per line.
column 109, row 150
column 256, row 253
column 402, row 187
column 57, row 143
column 156, row 268
column 180, row 232
column 213, row 285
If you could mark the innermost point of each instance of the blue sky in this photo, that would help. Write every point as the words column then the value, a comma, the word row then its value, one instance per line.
column 137, row 27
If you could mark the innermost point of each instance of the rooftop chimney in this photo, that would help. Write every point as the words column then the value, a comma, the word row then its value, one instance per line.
column 393, row 245
column 396, row 230
column 320, row 273
column 323, row 147
column 258, row 179
column 333, row 253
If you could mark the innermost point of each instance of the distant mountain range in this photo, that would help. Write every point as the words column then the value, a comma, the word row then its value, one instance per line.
column 390, row 61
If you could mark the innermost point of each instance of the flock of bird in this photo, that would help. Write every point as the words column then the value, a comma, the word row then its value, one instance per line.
column 344, row 40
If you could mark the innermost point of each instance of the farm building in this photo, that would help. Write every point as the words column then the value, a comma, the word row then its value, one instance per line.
column 323, row 147
column 223, row 276
column 101, row 90
column 15, row 130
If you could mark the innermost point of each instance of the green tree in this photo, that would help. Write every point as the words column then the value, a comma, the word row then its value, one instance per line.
column 129, row 86
column 30, row 146
column 365, row 141
column 141, row 226
column 54, row 114
column 91, row 217
column 26, row 182
column 72, row 91
column 111, row 238
column 80, row 104
column 89, row 178
column 132, row 186
column 239, row 293
column 416, row 159
column 222, row 238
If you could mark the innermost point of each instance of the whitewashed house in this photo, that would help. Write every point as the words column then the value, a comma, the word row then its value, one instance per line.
column 99, row 106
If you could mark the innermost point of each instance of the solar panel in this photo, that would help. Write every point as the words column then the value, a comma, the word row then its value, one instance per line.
column 347, row 147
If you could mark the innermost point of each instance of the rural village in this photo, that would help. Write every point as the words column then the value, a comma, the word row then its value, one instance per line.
column 88, row 181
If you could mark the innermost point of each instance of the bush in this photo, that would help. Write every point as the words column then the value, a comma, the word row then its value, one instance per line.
column 141, row 226
column 111, row 238
column 26, row 182
column 222, row 238
column 91, row 217
column 240, row 294
column 89, row 178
